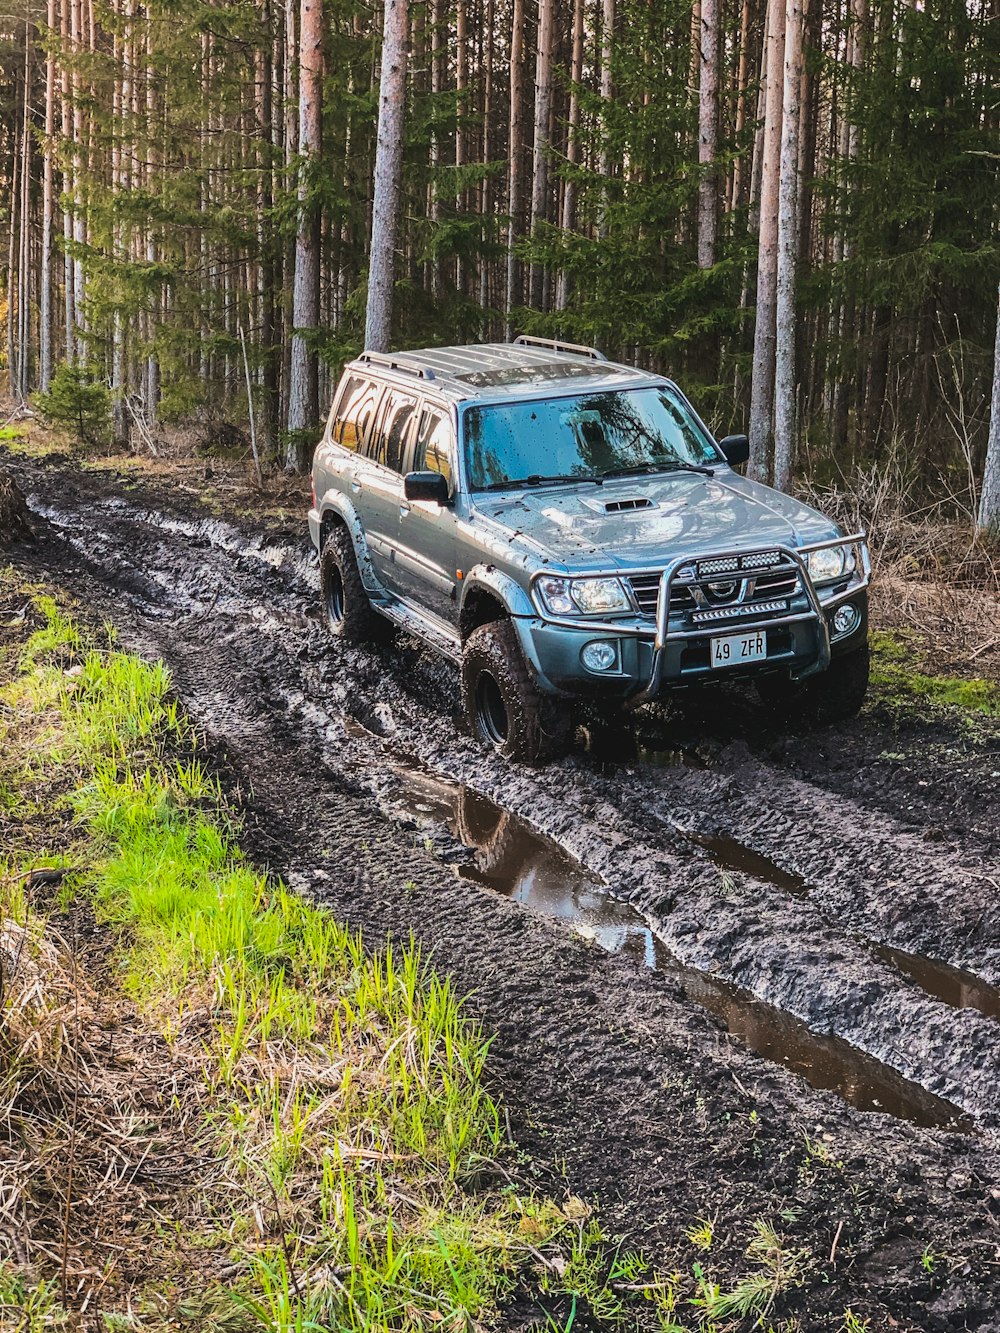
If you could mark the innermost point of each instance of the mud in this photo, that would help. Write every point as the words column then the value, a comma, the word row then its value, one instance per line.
column 766, row 873
column 507, row 855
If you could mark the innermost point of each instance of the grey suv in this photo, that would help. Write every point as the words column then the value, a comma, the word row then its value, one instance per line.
column 566, row 529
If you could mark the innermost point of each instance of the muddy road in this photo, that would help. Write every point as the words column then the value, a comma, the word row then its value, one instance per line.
column 733, row 972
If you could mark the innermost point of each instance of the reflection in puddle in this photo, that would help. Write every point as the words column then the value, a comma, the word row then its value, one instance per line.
column 512, row 859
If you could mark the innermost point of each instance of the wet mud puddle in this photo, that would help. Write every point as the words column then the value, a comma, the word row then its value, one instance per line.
column 512, row 859
column 951, row 985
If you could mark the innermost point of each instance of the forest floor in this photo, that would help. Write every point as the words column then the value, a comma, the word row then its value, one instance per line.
column 744, row 983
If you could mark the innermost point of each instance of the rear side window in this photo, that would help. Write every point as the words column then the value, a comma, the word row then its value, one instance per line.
column 356, row 409
column 433, row 452
column 388, row 440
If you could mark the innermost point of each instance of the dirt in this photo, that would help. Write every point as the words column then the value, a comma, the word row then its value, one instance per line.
column 14, row 524
column 840, row 889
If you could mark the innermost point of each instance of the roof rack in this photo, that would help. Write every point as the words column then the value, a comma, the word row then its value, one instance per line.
column 556, row 345
column 390, row 363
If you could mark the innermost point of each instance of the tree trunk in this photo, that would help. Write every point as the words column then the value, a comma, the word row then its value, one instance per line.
column 607, row 91
column 48, row 176
column 785, row 386
column 24, row 264
column 741, row 103
column 69, row 276
column 303, row 396
column 572, row 146
column 708, row 131
column 762, row 385
column 515, row 178
column 388, row 166
column 265, row 238
column 540, row 142
column 989, row 500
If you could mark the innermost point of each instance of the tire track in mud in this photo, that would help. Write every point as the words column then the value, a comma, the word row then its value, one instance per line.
column 625, row 827
column 606, row 1067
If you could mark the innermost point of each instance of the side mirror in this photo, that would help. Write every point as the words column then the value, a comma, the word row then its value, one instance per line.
column 429, row 486
column 735, row 449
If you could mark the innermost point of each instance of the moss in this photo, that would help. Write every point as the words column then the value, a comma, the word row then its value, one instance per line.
column 899, row 678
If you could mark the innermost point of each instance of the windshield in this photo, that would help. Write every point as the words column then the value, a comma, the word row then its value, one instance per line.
column 589, row 436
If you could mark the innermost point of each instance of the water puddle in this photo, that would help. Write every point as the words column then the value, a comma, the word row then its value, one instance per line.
column 510, row 858
column 961, row 990
column 951, row 985
column 729, row 854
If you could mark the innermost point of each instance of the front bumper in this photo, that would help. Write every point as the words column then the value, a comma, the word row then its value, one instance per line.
column 671, row 651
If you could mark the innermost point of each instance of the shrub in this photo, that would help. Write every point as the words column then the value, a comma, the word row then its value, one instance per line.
column 78, row 398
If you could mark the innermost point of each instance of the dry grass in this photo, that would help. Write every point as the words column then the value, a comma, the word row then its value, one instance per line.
column 933, row 578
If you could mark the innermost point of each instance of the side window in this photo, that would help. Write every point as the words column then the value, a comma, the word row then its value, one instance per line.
column 390, row 436
column 433, row 452
column 355, row 412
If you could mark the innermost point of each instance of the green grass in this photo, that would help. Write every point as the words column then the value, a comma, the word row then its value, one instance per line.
column 342, row 1100
column 899, row 679
column 344, row 1090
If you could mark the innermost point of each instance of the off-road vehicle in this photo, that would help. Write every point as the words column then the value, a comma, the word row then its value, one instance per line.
column 566, row 529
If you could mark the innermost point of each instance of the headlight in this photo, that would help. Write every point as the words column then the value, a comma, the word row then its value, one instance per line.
column 599, row 596
column 555, row 594
column 588, row 597
column 829, row 563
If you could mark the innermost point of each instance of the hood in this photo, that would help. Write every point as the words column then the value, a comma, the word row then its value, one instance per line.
column 646, row 521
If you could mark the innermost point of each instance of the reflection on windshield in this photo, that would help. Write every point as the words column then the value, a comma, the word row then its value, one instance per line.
column 586, row 436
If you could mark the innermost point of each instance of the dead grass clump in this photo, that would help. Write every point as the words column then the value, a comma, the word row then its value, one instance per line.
column 933, row 577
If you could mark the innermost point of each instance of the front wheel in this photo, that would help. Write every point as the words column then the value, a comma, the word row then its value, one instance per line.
column 503, row 707
column 834, row 695
column 350, row 615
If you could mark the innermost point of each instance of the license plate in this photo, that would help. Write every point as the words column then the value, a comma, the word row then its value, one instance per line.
column 736, row 649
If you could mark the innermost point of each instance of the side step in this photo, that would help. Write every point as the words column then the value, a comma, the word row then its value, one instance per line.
column 433, row 633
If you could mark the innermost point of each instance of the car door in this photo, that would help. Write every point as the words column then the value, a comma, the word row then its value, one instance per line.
column 382, row 484
column 425, row 553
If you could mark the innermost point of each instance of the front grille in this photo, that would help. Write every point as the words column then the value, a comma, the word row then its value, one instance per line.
column 767, row 592
column 646, row 590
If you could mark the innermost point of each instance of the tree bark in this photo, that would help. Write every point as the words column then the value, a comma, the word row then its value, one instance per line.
column 388, row 166
column 607, row 91
column 762, row 384
column 572, row 146
column 515, row 177
column 989, row 499
column 708, row 132
column 785, row 385
column 303, row 396
column 540, row 141
column 48, row 177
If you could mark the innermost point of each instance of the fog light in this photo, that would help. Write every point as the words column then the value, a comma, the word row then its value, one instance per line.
column 846, row 618
column 599, row 656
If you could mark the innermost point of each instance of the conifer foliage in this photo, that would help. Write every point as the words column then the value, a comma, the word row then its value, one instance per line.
column 790, row 205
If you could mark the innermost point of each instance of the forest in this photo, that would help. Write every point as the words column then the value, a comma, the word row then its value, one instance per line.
column 790, row 206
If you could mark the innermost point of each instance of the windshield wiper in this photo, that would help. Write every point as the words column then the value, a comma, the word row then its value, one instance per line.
column 673, row 466
column 536, row 479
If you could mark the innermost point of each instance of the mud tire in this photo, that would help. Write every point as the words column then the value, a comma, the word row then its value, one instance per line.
column 502, row 705
column 349, row 613
column 835, row 695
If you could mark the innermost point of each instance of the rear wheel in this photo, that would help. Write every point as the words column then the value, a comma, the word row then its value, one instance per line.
column 503, row 707
column 834, row 695
column 350, row 615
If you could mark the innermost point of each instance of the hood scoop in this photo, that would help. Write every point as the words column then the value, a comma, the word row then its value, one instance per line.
column 626, row 505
